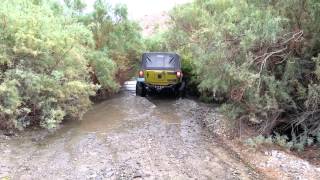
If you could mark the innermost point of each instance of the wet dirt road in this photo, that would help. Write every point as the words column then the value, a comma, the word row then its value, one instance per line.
column 126, row 137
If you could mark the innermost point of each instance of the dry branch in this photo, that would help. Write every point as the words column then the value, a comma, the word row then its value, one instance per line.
column 265, row 61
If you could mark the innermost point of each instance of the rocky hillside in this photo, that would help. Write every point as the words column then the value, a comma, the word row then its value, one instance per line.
column 152, row 23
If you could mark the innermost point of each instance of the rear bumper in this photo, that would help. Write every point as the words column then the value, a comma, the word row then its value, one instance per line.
column 161, row 87
column 156, row 87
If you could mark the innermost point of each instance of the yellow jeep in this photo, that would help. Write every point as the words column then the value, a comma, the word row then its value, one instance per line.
column 160, row 70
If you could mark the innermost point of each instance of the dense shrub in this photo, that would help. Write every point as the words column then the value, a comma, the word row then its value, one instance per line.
column 44, row 62
column 258, row 57
column 115, row 35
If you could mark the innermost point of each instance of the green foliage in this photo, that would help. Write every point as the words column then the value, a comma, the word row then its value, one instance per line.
column 76, row 5
column 10, row 102
column 44, row 62
column 259, row 140
column 117, row 37
column 280, row 140
column 260, row 56
column 103, row 68
column 230, row 110
column 155, row 43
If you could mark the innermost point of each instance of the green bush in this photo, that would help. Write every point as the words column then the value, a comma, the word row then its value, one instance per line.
column 259, row 57
column 44, row 62
column 282, row 141
column 115, row 37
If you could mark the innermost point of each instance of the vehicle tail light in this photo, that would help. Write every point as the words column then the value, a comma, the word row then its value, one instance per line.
column 179, row 74
column 141, row 74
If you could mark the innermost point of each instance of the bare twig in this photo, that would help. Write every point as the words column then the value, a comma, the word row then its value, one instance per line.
column 270, row 123
column 294, row 37
column 284, row 58
column 265, row 61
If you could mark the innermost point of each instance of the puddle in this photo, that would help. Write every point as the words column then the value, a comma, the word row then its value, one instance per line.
column 102, row 118
column 166, row 112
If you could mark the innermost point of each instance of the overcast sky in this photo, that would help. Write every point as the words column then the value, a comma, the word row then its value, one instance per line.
column 140, row 8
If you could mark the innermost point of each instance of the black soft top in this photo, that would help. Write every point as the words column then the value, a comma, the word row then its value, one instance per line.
column 161, row 60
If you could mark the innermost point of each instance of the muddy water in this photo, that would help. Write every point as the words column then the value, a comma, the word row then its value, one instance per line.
column 126, row 137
